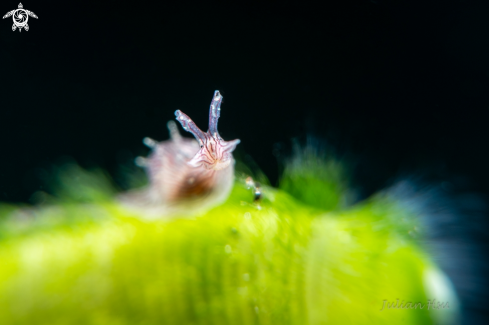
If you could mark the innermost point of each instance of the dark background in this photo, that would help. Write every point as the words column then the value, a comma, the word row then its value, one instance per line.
column 399, row 87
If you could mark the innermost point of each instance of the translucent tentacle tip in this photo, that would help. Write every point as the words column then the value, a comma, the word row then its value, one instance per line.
column 214, row 153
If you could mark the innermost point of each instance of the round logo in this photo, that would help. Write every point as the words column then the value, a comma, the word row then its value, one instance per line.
column 20, row 17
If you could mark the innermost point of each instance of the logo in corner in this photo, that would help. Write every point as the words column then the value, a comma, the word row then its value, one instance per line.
column 20, row 17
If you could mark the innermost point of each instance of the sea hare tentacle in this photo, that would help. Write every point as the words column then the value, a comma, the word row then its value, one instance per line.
column 173, row 129
column 215, row 113
column 229, row 146
column 190, row 126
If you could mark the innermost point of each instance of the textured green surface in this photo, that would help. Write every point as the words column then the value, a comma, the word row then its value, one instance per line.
column 86, row 260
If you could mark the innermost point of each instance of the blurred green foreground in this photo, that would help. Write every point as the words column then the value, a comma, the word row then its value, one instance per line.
column 301, row 255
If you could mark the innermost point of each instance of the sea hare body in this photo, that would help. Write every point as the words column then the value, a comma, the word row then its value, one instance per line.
column 185, row 173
